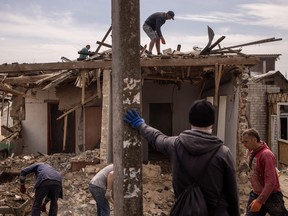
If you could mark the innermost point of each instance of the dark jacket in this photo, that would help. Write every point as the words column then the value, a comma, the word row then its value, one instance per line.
column 43, row 172
column 194, row 149
column 155, row 21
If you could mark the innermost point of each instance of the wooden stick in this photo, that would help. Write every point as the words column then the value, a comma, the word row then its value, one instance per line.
column 104, row 38
column 252, row 43
column 104, row 44
column 65, row 132
column 78, row 106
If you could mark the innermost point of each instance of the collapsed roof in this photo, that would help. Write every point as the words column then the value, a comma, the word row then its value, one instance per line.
column 173, row 66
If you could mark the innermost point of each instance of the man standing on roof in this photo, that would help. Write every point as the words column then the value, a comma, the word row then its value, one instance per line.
column 152, row 27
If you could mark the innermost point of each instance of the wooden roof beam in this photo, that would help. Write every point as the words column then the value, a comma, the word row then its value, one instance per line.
column 207, row 61
column 16, row 68
column 200, row 62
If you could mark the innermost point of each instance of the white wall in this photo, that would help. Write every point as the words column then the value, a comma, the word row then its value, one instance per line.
column 231, row 115
column 34, row 127
column 182, row 100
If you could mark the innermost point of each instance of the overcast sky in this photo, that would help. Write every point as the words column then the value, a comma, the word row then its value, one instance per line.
column 40, row 31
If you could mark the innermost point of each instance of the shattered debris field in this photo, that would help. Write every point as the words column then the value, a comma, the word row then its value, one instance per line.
column 77, row 201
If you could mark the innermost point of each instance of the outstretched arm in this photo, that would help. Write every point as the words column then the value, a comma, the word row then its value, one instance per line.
column 155, row 138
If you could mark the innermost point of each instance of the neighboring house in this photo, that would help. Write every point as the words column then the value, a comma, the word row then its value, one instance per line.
column 267, row 105
column 267, row 63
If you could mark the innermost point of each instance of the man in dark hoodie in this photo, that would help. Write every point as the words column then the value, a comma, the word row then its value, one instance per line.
column 266, row 196
column 194, row 148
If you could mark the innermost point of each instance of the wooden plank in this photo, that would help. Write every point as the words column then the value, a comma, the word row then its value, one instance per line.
column 77, row 106
column 252, row 43
column 99, row 83
column 52, row 76
column 202, row 61
column 6, row 88
column 65, row 132
column 55, row 66
column 57, row 81
column 26, row 79
column 104, row 38
column 83, row 84
column 218, row 75
column 215, row 43
column 104, row 44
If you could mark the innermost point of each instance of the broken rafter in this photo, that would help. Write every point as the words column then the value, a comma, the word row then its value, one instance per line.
column 6, row 88
column 50, row 76
column 104, row 38
column 226, row 51
column 251, row 43
column 65, row 132
column 78, row 106
column 58, row 80
column 25, row 79
column 104, row 44
column 11, row 136
column 216, row 43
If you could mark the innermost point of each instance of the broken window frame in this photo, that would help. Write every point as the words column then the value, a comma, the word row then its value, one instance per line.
column 282, row 116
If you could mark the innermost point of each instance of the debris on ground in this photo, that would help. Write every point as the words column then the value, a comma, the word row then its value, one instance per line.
column 158, row 194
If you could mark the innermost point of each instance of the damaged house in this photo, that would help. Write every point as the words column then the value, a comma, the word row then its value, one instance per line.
column 66, row 106
column 267, row 108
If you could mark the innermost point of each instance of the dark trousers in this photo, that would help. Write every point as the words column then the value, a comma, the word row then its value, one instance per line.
column 103, row 208
column 274, row 205
column 52, row 191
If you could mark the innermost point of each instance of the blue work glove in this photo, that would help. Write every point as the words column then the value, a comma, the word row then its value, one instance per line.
column 133, row 118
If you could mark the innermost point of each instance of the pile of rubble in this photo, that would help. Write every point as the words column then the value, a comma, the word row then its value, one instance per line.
column 157, row 188
column 157, row 184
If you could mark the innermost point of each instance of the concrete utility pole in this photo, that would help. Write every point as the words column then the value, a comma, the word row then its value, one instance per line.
column 126, row 88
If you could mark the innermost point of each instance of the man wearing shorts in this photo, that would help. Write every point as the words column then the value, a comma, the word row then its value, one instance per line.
column 152, row 27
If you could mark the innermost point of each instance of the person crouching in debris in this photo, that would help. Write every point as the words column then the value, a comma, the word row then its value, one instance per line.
column 84, row 53
column 101, row 188
column 48, row 184
column 189, row 154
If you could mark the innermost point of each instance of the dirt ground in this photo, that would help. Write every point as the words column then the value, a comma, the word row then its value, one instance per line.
column 157, row 188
